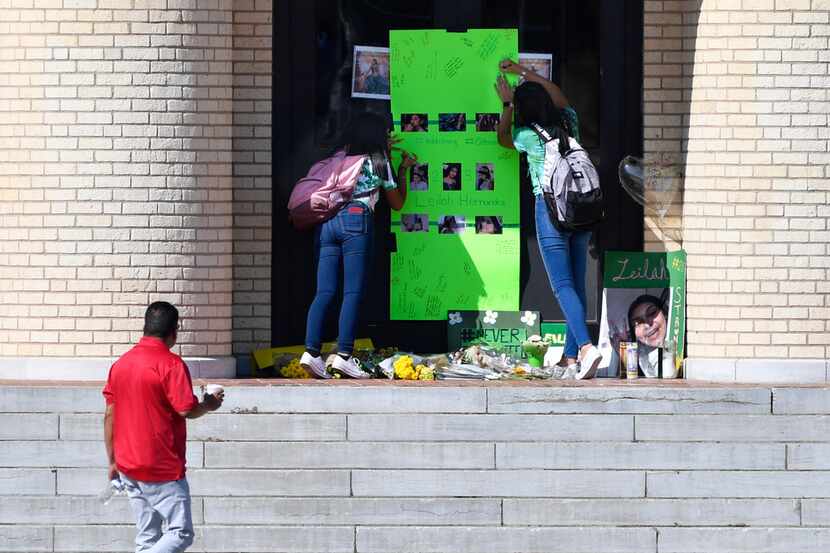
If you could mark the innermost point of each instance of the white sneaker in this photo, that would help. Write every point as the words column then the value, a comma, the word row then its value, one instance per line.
column 349, row 367
column 589, row 364
column 314, row 365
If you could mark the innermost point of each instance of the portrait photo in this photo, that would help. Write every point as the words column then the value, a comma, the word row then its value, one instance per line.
column 488, row 224
column 419, row 177
column 487, row 122
column 485, row 177
column 452, row 176
column 639, row 315
column 414, row 122
column 414, row 222
column 452, row 122
column 451, row 224
column 370, row 73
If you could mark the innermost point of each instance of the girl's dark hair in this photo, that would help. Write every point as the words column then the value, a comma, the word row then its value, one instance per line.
column 448, row 168
column 645, row 298
column 368, row 134
column 534, row 105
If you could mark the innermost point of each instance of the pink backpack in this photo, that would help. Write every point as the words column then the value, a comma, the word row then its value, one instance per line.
column 329, row 184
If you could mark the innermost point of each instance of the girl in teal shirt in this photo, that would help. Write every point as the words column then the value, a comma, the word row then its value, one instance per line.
column 564, row 253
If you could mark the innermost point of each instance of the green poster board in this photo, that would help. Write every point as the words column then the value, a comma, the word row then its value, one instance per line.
column 636, row 286
column 457, row 239
column 502, row 330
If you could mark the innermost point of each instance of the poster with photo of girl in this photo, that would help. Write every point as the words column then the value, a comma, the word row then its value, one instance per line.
column 644, row 301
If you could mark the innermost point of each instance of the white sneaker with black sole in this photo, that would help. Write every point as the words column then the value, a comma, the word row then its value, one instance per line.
column 589, row 364
column 350, row 367
column 314, row 365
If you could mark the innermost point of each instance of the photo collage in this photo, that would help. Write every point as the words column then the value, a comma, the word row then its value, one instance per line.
column 451, row 175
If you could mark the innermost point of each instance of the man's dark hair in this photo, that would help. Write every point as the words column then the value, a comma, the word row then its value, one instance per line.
column 161, row 319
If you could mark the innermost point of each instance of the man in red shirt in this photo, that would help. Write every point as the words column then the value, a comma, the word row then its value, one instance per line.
column 149, row 395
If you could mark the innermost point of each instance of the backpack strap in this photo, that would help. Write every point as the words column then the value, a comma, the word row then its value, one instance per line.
column 543, row 134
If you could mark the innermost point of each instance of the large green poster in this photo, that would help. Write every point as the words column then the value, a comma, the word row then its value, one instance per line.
column 458, row 234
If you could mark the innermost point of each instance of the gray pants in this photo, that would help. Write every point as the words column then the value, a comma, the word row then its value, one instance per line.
column 157, row 503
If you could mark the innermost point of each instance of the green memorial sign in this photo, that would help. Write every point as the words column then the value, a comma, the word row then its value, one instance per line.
column 458, row 234
column 644, row 301
column 501, row 330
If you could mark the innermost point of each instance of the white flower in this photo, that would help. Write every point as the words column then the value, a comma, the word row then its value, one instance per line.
column 529, row 318
column 455, row 318
column 490, row 317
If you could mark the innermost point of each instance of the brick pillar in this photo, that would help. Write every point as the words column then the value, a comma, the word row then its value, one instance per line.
column 115, row 181
column 736, row 96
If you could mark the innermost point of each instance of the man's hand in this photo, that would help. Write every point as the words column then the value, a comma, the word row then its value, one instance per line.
column 214, row 401
column 112, row 473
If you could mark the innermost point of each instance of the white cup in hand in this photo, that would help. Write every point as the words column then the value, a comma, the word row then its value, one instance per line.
column 214, row 389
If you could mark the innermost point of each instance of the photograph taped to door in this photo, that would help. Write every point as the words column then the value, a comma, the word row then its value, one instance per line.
column 370, row 73
column 541, row 64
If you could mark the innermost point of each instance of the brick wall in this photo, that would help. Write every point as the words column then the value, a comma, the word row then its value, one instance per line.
column 251, row 176
column 135, row 163
column 379, row 468
column 736, row 101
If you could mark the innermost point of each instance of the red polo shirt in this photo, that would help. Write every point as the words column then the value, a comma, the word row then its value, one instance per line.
column 148, row 386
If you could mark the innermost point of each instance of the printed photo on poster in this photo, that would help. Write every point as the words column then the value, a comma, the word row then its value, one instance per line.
column 451, row 224
column 370, row 73
column 639, row 315
column 488, row 224
column 485, row 177
column 415, row 222
column 643, row 304
column 541, row 64
column 419, row 177
column 452, row 176
column 414, row 122
column 487, row 122
column 452, row 122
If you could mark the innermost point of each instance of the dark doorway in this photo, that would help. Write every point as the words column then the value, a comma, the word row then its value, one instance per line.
column 597, row 53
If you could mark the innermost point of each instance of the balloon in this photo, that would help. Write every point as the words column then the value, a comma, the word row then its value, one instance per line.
column 653, row 186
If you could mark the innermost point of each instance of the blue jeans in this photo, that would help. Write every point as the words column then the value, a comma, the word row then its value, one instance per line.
column 565, row 255
column 347, row 236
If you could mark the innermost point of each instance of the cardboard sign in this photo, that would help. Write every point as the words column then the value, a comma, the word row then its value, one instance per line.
column 556, row 333
column 644, row 301
column 502, row 330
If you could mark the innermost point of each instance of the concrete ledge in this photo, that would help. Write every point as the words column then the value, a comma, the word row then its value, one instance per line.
column 757, row 371
column 97, row 368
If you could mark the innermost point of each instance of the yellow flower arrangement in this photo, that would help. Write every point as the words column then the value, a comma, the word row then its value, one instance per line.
column 294, row 370
column 404, row 369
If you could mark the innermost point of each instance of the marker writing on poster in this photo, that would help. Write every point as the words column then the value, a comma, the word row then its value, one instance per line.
column 488, row 46
column 642, row 272
column 452, row 67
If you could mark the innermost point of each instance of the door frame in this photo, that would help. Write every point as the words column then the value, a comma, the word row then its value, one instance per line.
column 621, row 133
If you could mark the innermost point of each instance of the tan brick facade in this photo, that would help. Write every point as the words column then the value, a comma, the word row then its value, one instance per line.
column 736, row 99
column 136, row 165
